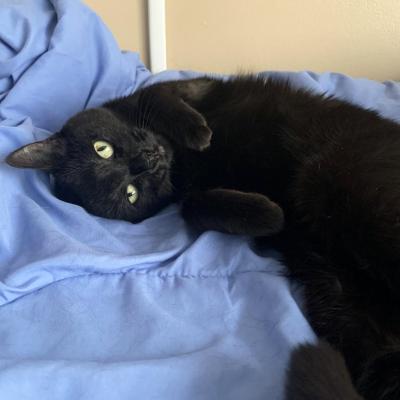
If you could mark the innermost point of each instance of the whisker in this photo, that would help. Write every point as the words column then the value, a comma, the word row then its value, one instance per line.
column 139, row 109
column 149, row 106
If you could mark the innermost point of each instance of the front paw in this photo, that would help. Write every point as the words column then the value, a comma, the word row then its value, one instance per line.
column 196, row 133
column 234, row 212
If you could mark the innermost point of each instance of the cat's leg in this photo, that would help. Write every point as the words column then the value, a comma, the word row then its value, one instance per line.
column 166, row 109
column 182, row 124
column 191, row 91
column 353, row 315
column 232, row 211
column 318, row 372
column 173, row 105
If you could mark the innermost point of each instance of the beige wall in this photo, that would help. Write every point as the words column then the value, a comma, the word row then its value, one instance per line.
column 357, row 37
column 127, row 20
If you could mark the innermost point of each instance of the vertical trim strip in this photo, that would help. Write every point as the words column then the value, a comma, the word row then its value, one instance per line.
column 157, row 35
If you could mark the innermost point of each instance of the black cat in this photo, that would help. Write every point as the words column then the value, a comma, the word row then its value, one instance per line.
column 317, row 372
column 319, row 177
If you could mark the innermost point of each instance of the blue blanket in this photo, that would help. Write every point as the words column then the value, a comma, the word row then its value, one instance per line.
column 100, row 309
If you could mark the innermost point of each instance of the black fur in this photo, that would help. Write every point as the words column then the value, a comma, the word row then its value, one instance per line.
column 317, row 372
column 319, row 174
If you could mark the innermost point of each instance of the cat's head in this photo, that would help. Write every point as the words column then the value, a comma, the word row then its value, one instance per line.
column 112, row 168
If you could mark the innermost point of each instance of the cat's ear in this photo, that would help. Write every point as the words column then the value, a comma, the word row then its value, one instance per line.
column 44, row 155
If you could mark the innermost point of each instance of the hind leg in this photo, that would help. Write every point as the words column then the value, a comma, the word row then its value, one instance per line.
column 318, row 372
column 357, row 318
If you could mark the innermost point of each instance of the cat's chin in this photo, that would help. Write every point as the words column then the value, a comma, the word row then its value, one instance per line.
column 152, row 211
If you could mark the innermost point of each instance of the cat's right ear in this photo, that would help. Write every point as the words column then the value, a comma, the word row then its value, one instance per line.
column 44, row 155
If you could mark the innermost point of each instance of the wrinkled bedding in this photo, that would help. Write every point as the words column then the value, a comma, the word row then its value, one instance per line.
column 100, row 309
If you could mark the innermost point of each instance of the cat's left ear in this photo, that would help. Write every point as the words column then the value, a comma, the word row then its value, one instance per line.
column 44, row 155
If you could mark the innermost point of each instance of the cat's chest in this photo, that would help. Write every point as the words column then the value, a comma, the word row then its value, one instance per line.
column 247, row 165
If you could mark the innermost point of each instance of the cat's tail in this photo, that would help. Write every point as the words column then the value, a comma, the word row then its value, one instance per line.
column 318, row 372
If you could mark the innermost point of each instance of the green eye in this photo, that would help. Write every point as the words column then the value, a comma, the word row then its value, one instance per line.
column 132, row 193
column 103, row 149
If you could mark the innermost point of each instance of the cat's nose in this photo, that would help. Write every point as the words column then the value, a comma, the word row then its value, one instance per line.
column 145, row 161
column 153, row 154
column 151, row 157
column 161, row 150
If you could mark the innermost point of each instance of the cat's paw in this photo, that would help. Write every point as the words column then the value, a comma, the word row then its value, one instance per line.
column 260, row 216
column 234, row 212
column 196, row 134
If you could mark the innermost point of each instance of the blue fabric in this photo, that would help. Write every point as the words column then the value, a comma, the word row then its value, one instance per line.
column 100, row 309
